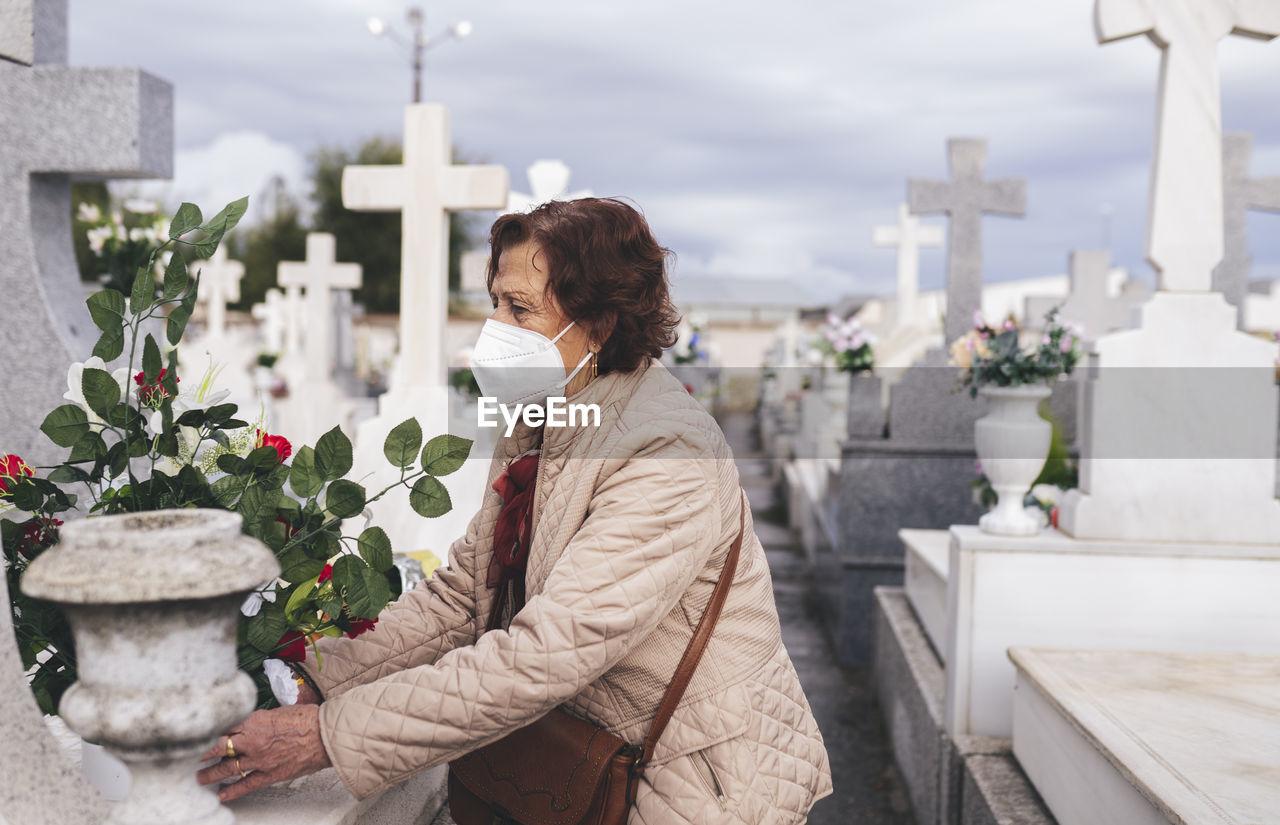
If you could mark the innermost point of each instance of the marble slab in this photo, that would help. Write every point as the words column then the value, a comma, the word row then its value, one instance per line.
column 1187, row 738
column 1052, row 591
column 928, row 557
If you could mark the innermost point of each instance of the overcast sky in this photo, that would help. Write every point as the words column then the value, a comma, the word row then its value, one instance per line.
column 759, row 138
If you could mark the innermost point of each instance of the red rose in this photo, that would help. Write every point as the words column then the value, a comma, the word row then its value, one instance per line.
column 292, row 647
column 359, row 626
column 325, row 574
column 151, row 395
column 1053, row 517
column 283, row 448
column 39, row 534
column 11, row 469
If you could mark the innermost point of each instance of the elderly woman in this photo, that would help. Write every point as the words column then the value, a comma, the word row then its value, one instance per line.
column 580, row 582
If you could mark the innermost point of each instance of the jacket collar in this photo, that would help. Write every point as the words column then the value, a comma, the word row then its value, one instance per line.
column 609, row 391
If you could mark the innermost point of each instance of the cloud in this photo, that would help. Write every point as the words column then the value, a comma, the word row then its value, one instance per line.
column 233, row 165
column 773, row 137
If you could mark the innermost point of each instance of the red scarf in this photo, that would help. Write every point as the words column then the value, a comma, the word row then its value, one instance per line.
column 511, row 534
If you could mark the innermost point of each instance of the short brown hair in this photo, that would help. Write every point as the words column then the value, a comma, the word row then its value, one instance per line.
column 606, row 270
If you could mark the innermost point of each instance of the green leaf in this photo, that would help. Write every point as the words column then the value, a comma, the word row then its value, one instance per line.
column 232, row 463
column 303, row 478
column 176, row 279
column 299, row 568
column 117, row 458
column 258, row 506
column 220, row 413
column 176, row 324
column 107, row 309
column 101, row 392
column 365, row 591
column 375, row 548
column 429, row 498
column 67, row 474
column 264, row 458
column 144, row 291
column 299, row 596
column 266, row 628
column 110, row 344
column 188, row 217
column 25, row 496
column 228, row 488
column 66, row 424
column 401, row 446
column 275, row 479
column 444, row 454
column 226, row 220
column 344, row 498
column 333, row 455
column 151, row 363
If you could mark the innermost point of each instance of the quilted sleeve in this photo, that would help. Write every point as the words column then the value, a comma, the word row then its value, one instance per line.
column 652, row 527
column 416, row 629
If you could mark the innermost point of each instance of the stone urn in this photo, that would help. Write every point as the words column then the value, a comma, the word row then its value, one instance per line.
column 1013, row 443
column 153, row 599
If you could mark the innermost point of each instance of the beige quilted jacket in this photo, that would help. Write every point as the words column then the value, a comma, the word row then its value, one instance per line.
column 632, row 522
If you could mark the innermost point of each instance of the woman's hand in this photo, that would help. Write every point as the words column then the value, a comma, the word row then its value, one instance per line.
column 270, row 746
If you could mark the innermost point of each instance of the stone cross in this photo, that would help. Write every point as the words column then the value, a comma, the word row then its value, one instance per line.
column 57, row 123
column 319, row 275
column 908, row 235
column 424, row 189
column 1184, row 224
column 549, row 181
column 966, row 198
column 219, row 285
column 1241, row 193
column 1090, row 302
column 270, row 314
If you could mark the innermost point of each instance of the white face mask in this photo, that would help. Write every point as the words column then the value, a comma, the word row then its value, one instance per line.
column 519, row 366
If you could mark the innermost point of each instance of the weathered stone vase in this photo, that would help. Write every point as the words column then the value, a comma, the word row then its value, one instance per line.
column 1012, row 441
column 153, row 599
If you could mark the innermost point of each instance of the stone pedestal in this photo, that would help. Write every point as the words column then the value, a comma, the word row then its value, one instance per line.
column 153, row 600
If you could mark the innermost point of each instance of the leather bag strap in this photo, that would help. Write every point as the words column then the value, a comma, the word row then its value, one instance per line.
column 697, row 644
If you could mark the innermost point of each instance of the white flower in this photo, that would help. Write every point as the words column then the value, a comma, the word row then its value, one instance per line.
column 89, row 213
column 97, row 238
column 75, row 384
column 1047, row 494
column 283, row 683
column 155, row 422
column 140, row 207
column 253, row 602
column 137, row 234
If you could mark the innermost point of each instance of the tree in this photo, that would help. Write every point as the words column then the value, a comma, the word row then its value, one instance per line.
column 372, row 239
column 278, row 236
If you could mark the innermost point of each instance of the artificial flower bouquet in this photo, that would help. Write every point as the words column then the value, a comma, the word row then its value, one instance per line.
column 996, row 357
column 848, row 343
column 139, row 439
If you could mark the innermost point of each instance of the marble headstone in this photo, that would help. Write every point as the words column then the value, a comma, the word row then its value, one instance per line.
column 219, row 285
column 1090, row 303
column 58, row 123
column 1180, row 417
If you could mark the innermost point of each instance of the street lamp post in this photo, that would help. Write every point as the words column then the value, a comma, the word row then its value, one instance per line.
column 418, row 42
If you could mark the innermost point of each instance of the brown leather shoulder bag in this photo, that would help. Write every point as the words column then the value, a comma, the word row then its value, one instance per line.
column 563, row 770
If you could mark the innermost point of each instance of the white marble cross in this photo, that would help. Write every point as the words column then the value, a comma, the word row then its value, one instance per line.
column 1184, row 224
column 271, row 315
column 1241, row 193
column 908, row 235
column 424, row 189
column 319, row 275
column 549, row 181
column 966, row 197
column 219, row 285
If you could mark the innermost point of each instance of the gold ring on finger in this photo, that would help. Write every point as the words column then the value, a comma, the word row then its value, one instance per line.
column 231, row 751
column 243, row 775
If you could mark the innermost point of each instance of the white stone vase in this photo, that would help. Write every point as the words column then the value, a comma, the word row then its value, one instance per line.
column 153, row 599
column 1012, row 442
